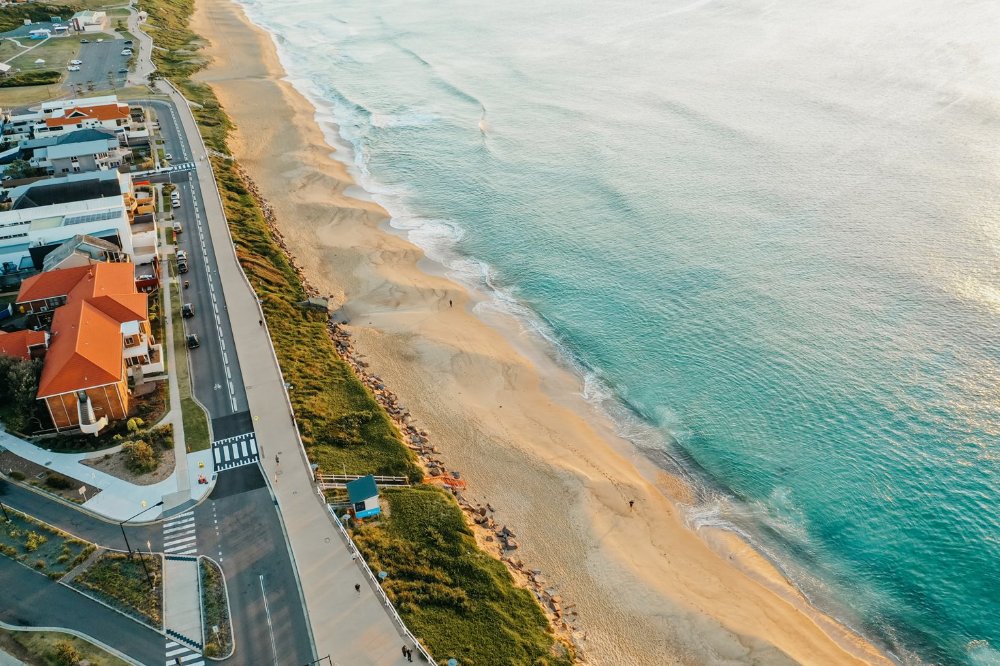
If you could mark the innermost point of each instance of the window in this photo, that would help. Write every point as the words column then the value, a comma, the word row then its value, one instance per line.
column 131, row 340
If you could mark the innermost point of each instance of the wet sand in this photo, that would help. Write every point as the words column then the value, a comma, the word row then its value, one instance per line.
column 648, row 589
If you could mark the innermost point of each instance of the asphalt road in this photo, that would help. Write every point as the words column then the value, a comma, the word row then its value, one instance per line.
column 77, row 522
column 239, row 525
column 32, row 600
column 100, row 59
column 218, row 383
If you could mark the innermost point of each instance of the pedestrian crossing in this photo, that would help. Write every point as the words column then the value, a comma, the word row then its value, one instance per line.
column 235, row 451
column 179, row 535
column 181, row 655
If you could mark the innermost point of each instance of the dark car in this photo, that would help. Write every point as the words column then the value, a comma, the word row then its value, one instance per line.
column 193, row 341
column 187, row 310
column 84, row 41
column 128, row 42
column 123, row 70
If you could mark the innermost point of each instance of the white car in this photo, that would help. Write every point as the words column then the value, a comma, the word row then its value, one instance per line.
column 176, row 203
column 168, row 156
column 127, row 52
column 76, row 62
column 74, row 68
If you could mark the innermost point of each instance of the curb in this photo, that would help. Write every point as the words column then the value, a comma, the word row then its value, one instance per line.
column 159, row 630
column 229, row 615
column 82, row 636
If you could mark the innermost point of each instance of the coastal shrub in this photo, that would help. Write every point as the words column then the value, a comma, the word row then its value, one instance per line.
column 13, row 15
column 139, row 456
column 66, row 654
column 121, row 581
column 31, row 78
column 58, row 482
column 17, row 475
column 33, row 541
column 447, row 590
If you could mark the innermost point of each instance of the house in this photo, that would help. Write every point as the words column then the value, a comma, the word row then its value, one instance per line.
column 44, row 214
column 82, row 250
column 363, row 495
column 99, row 332
column 73, row 152
column 17, row 127
column 24, row 344
column 114, row 116
column 89, row 21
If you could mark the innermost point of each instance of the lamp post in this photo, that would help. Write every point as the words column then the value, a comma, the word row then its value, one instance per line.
column 4, row 509
column 149, row 578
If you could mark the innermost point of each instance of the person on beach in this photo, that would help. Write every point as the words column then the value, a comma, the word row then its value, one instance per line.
column 449, row 303
column 357, row 588
column 631, row 503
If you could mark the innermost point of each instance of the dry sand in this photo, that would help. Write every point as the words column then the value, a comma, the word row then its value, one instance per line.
column 648, row 589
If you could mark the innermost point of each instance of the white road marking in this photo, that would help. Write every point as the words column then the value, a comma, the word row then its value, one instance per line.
column 225, row 452
column 253, row 445
column 270, row 627
column 243, row 445
column 216, row 452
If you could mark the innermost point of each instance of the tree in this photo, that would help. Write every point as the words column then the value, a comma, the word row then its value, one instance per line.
column 18, row 388
column 20, row 169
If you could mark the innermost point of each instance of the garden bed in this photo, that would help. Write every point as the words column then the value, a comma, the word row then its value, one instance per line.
column 43, row 478
column 215, row 610
column 119, row 581
column 40, row 546
column 51, row 648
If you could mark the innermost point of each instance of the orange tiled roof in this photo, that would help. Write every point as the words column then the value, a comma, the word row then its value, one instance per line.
column 85, row 350
column 18, row 343
column 86, row 344
column 50, row 284
column 76, row 114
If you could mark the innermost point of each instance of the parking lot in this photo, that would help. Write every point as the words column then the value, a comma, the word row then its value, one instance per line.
column 99, row 60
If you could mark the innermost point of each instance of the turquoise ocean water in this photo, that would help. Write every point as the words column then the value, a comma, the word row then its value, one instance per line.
column 767, row 234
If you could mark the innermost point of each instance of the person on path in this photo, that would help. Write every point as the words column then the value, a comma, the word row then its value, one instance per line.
column 404, row 650
column 357, row 588
column 409, row 654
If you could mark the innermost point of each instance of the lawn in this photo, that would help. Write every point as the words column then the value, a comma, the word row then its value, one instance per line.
column 196, row 435
column 49, row 648
column 30, row 95
column 55, row 51
column 459, row 601
column 218, row 630
column 40, row 546
column 121, row 582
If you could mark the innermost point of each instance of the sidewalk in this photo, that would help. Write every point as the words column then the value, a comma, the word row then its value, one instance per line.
column 181, row 605
column 351, row 627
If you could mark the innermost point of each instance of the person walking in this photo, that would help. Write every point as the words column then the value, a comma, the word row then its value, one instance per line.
column 357, row 588
column 631, row 503
column 409, row 654
column 404, row 650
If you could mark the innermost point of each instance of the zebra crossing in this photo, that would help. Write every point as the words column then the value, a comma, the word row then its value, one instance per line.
column 235, row 451
column 179, row 535
column 178, row 654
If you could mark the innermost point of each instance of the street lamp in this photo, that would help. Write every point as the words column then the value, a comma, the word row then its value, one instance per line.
column 121, row 525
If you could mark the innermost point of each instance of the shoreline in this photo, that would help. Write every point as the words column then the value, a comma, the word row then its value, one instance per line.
column 632, row 575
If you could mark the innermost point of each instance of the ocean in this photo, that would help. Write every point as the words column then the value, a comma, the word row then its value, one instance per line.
column 766, row 234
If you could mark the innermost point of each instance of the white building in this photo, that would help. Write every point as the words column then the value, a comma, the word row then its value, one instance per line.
column 89, row 21
column 46, row 213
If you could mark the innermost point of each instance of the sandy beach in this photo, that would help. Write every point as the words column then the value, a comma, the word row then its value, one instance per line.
column 648, row 589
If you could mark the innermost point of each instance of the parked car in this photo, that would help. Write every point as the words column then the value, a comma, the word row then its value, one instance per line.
column 187, row 310
column 178, row 228
column 128, row 42
column 168, row 156
column 126, row 52
column 123, row 70
column 182, row 266
column 176, row 203
column 193, row 341
column 73, row 68
column 84, row 41
column 76, row 62
column 181, row 255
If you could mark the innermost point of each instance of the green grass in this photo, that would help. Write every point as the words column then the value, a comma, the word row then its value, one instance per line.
column 459, row 601
column 120, row 581
column 39, row 648
column 40, row 546
column 216, row 610
column 55, row 51
column 196, row 437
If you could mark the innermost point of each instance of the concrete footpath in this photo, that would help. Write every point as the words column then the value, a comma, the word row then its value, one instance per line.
column 181, row 605
column 351, row 627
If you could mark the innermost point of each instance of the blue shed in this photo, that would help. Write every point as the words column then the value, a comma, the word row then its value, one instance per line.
column 363, row 495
